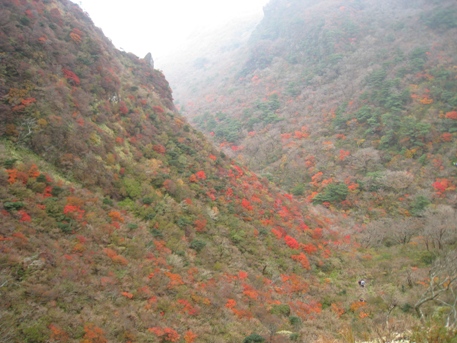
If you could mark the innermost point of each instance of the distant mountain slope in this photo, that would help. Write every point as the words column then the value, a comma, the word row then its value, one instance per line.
column 360, row 93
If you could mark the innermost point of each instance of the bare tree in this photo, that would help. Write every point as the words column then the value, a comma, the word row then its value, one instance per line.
column 441, row 288
column 440, row 226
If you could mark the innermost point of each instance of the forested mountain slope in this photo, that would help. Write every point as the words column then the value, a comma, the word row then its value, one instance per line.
column 358, row 95
column 119, row 222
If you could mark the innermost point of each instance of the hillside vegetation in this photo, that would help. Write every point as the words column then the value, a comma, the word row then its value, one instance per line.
column 360, row 93
column 119, row 222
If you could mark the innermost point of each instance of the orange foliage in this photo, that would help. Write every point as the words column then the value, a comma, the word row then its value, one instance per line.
column 127, row 295
column 363, row 315
column 189, row 337
column 278, row 232
column 93, row 334
column 73, row 211
column 310, row 161
column 230, row 304
column 302, row 259
column 188, row 307
column 75, row 38
column 426, row 100
column 175, row 279
column 115, row 257
column 316, row 178
column 12, row 175
column 165, row 334
column 116, row 216
column 33, row 171
column 200, row 224
column 250, row 292
column 356, row 305
column 57, row 334
column 337, row 309
column 308, row 248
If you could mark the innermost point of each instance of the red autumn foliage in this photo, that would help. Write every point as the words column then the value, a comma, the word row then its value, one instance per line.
column 246, row 204
column 446, row 137
column 309, row 248
column 123, row 109
column 24, row 216
column 317, row 233
column 158, row 109
column 279, row 232
column 165, row 334
column 200, row 224
column 441, row 185
column 451, row 115
column 127, row 295
column 187, row 307
column 291, row 242
column 71, row 77
column 201, row 175
column 242, row 275
column 73, row 211
column 344, row 154
column 250, row 292
column 230, row 304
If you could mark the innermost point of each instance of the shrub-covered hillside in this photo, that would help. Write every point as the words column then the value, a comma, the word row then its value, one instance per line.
column 348, row 93
column 119, row 222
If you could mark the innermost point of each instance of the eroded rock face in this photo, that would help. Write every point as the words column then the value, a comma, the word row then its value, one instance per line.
column 149, row 59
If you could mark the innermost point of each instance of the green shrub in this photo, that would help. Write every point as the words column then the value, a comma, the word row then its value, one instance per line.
column 281, row 309
column 197, row 245
column 8, row 164
column 108, row 201
column 295, row 321
column 441, row 19
column 332, row 193
column 9, row 205
column 418, row 205
column 132, row 226
column 254, row 338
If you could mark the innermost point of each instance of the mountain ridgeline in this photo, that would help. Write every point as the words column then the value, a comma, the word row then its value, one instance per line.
column 120, row 222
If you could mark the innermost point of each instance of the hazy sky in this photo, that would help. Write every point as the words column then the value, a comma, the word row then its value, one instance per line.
column 161, row 26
